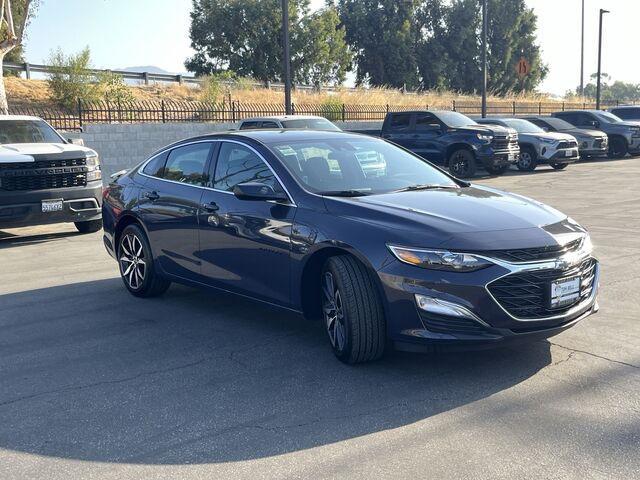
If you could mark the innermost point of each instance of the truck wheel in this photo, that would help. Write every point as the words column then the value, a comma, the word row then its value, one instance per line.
column 528, row 160
column 91, row 226
column 462, row 163
column 559, row 166
column 352, row 311
column 136, row 264
column 618, row 147
column 497, row 170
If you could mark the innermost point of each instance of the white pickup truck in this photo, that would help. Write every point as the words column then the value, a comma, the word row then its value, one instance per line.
column 46, row 179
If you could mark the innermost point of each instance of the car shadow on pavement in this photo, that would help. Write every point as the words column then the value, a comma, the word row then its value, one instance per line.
column 88, row 372
column 10, row 239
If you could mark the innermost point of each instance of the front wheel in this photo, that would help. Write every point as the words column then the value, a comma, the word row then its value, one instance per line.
column 136, row 264
column 352, row 311
column 498, row 170
column 528, row 160
column 618, row 147
column 90, row 226
column 462, row 163
column 559, row 166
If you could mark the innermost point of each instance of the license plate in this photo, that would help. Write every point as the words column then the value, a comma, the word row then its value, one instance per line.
column 565, row 292
column 51, row 206
column 568, row 153
column 512, row 157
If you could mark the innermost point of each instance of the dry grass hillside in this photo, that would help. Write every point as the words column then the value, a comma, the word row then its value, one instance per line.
column 23, row 92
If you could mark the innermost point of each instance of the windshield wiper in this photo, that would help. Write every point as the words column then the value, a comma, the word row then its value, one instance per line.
column 345, row 193
column 425, row 186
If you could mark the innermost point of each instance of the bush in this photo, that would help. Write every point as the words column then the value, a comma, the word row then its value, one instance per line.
column 112, row 88
column 70, row 80
column 215, row 88
column 331, row 108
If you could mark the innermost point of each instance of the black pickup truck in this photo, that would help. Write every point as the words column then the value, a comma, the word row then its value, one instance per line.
column 454, row 140
column 45, row 179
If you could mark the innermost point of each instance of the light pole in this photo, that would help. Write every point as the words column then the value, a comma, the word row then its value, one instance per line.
column 287, row 59
column 582, row 55
column 484, row 58
column 602, row 12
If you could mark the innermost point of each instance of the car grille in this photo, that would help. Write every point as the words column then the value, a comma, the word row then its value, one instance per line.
column 526, row 294
column 534, row 254
column 568, row 144
column 43, row 174
column 504, row 142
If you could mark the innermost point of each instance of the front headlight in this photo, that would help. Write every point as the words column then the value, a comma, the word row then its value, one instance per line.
column 439, row 259
column 485, row 138
column 93, row 165
column 546, row 140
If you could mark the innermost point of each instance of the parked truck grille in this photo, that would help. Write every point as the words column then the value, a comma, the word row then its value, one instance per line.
column 526, row 294
column 567, row 144
column 43, row 174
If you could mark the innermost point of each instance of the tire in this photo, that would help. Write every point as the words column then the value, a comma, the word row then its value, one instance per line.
column 498, row 170
column 528, row 160
column 462, row 163
column 618, row 147
column 91, row 226
column 136, row 264
column 559, row 166
column 352, row 311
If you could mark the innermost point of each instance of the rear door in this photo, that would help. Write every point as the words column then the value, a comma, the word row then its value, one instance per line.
column 245, row 244
column 169, row 203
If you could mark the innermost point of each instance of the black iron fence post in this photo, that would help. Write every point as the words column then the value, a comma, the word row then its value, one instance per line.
column 293, row 108
column 539, row 108
column 233, row 111
column 80, row 113
column 453, row 105
column 387, row 108
column 344, row 112
column 513, row 108
column 563, row 106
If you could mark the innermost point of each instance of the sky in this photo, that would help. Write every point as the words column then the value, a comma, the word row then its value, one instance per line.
column 126, row 33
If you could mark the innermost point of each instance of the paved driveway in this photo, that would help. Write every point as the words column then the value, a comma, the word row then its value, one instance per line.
column 97, row 384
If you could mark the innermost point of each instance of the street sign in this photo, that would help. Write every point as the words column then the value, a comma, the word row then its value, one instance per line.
column 523, row 68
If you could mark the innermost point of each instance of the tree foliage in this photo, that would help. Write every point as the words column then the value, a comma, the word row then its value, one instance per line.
column 246, row 38
column 617, row 91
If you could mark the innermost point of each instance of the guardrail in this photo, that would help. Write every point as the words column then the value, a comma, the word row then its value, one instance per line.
column 233, row 111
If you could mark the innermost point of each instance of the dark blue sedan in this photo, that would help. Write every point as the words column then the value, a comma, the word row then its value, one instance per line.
column 385, row 248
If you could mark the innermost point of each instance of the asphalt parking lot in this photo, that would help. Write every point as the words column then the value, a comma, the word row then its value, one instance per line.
column 97, row 384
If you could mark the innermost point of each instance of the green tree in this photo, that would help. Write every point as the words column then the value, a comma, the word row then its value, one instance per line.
column 617, row 91
column 383, row 35
column 14, row 17
column 70, row 80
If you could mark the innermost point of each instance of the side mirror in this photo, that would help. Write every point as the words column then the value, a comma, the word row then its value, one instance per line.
column 76, row 141
column 258, row 191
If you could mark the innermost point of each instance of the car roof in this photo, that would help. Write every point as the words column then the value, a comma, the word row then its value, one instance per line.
column 283, row 117
column 19, row 117
column 268, row 136
column 623, row 107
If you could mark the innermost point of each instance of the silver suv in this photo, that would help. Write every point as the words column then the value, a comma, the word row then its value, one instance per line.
column 537, row 146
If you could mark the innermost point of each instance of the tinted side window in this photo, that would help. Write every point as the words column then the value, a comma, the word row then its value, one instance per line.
column 156, row 166
column 540, row 123
column 426, row 121
column 186, row 164
column 249, row 125
column 627, row 113
column 238, row 164
column 572, row 118
column 400, row 121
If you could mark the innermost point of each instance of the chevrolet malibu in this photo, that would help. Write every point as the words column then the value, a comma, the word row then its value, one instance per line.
column 410, row 258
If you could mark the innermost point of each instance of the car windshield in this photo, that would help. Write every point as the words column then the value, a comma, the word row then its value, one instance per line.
column 455, row 119
column 310, row 123
column 27, row 131
column 522, row 126
column 357, row 166
column 558, row 124
column 608, row 117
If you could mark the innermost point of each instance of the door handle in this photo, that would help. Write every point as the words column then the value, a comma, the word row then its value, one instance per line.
column 210, row 207
column 152, row 196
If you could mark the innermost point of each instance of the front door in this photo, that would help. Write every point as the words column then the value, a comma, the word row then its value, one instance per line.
column 428, row 136
column 169, row 205
column 245, row 244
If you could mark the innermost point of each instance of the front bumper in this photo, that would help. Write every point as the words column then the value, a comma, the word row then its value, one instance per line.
column 489, row 324
column 498, row 158
column 24, row 208
column 568, row 155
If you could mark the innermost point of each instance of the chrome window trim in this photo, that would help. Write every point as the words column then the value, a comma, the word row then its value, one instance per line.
column 170, row 147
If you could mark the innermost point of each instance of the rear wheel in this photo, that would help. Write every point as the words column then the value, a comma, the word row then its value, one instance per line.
column 559, row 166
column 90, row 226
column 528, row 160
column 462, row 163
column 498, row 170
column 352, row 310
column 618, row 147
column 136, row 264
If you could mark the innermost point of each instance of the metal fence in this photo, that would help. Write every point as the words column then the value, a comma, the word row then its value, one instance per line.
column 230, row 112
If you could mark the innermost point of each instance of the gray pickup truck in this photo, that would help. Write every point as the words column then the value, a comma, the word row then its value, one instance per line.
column 624, row 136
column 46, row 179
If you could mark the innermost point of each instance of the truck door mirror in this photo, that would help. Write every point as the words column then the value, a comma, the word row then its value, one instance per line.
column 76, row 141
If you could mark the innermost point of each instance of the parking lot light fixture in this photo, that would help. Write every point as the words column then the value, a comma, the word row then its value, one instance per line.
column 598, row 88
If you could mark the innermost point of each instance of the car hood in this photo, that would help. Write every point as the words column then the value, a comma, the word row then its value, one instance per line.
column 493, row 129
column 581, row 132
column 474, row 218
column 21, row 152
column 549, row 135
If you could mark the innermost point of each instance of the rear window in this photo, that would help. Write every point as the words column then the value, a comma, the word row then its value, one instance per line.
column 627, row 113
column 27, row 131
column 311, row 124
column 249, row 125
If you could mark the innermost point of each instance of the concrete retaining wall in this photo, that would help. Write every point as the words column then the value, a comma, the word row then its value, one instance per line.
column 122, row 146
